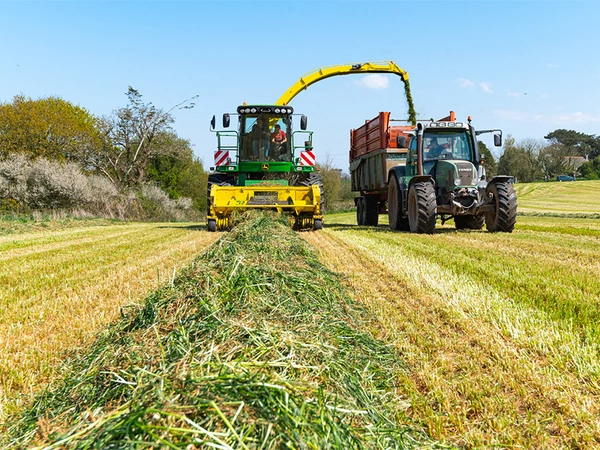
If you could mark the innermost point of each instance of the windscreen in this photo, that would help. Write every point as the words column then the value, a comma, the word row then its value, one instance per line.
column 447, row 145
column 265, row 138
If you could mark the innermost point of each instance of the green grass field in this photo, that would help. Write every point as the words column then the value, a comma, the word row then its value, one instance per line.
column 365, row 338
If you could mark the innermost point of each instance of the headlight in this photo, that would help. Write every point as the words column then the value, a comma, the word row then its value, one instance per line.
column 457, row 182
column 247, row 110
column 277, row 110
column 253, row 110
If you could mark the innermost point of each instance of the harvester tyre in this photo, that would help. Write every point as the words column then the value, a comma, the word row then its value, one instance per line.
column 421, row 207
column 504, row 216
column 469, row 222
column 397, row 222
column 318, row 225
column 220, row 179
column 315, row 179
column 211, row 225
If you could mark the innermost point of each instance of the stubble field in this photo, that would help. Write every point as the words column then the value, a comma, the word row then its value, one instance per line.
column 494, row 338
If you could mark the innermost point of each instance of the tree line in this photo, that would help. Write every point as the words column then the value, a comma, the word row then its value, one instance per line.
column 564, row 152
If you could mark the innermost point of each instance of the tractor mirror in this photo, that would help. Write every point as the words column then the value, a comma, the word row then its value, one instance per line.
column 226, row 120
column 401, row 141
column 303, row 122
column 213, row 121
column 498, row 140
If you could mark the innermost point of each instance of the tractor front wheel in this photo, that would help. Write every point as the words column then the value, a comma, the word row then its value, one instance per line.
column 421, row 207
column 397, row 222
column 504, row 216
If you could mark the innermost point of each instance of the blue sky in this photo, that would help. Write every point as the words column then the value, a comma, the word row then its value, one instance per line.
column 526, row 67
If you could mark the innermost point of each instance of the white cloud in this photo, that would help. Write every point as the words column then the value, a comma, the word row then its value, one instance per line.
column 514, row 94
column 373, row 81
column 487, row 87
column 465, row 82
column 553, row 65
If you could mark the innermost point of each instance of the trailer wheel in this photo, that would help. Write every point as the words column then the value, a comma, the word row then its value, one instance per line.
column 469, row 222
column 421, row 207
column 360, row 211
column 397, row 222
column 371, row 207
column 504, row 216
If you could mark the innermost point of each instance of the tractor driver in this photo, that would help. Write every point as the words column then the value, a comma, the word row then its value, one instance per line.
column 260, row 140
column 435, row 149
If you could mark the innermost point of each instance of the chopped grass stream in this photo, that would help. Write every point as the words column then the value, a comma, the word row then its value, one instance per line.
column 255, row 345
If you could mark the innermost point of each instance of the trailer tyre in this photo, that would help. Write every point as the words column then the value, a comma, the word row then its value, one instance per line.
column 504, row 216
column 397, row 222
column 371, row 207
column 421, row 207
column 469, row 222
column 361, row 218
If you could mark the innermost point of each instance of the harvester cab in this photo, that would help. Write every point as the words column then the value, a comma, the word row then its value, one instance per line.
column 264, row 164
column 444, row 176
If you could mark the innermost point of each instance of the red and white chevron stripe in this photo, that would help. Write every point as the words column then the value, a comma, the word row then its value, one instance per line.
column 307, row 158
column 221, row 157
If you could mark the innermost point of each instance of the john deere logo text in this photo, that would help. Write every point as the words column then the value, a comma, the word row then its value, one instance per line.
column 265, row 167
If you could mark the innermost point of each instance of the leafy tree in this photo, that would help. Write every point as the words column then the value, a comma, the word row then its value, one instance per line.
column 50, row 127
column 491, row 167
column 522, row 160
column 178, row 172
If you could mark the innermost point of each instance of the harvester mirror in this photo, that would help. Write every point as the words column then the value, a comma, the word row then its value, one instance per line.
column 213, row 121
column 498, row 140
column 401, row 141
column 303, row 122
column 226, row 120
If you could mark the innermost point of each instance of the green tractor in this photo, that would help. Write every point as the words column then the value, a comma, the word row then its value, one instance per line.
column 445, row 177
column 260, row 166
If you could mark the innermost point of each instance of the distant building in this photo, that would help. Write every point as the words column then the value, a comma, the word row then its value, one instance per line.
column 573, row 163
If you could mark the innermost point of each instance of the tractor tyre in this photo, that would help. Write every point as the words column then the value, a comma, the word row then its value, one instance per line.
column 421, row 207
column 371, row 205
column 397, row 222
column 504, row 216
column 469, row 222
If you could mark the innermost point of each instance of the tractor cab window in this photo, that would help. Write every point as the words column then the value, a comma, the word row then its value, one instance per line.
column 454, row 145
column 265, row 138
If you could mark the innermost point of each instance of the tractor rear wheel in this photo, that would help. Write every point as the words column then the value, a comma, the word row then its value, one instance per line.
column 421, row 207
column 469, row 222
column 397, row 222
column 504, row 216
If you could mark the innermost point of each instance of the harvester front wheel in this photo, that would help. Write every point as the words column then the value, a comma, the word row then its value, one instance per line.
column 212, row 225
column 421, row 207
column 504, row 216
column 397, row 222
column 315, row 179
column 318, row 224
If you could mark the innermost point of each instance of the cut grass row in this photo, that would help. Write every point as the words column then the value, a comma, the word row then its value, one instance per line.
column 256, row 345
column 61, row 284
column 500, row 331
